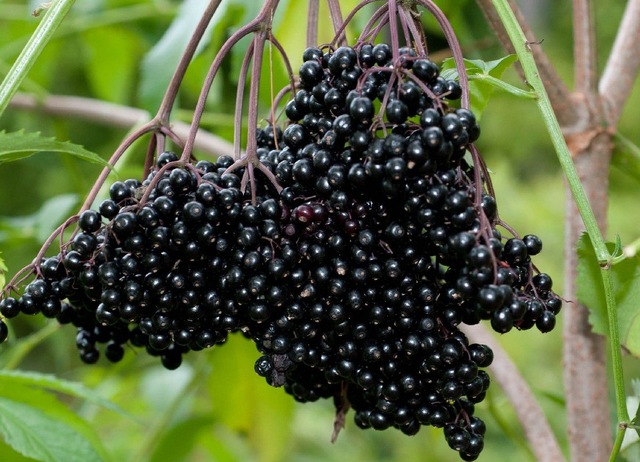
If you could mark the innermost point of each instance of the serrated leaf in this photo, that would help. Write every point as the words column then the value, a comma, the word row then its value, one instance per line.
column 35, row 424
column 19, row 145
column 626, row 283
column 159, row 63
column 50, row 382
column 483, row 76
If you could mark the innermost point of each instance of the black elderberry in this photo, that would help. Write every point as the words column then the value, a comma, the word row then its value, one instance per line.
column 382, row 54
column 311, row 73
column 10, row 307
column 90, row 221
column 4, row 331
column 546, row 322
column 396, row 112
column 361, row 109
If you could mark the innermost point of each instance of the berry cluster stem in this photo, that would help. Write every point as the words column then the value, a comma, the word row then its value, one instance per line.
column 176, row 80
column 261, row 22
column 519, row 42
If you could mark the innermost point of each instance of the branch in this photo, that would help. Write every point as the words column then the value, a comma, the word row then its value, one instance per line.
column 114, row 115
column 584, row 48
column 623, row 64
column 535, row 424
column 559, row 94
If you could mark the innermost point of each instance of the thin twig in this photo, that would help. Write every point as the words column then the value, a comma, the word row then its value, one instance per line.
column 174, row 85
column 623, row 65
column 312, row 23
column 263, row 19
column 115, row 115
column 584, row 48
column 559, row 94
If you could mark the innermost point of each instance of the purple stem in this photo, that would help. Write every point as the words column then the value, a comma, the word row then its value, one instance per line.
column 174, row 85
column 237, row 117
column 263, row 19
column 338, row 21
column 312, row 23
column 456, row 51
column 340, row 30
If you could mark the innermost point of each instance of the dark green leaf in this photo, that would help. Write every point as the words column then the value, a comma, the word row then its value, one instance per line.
column 19, row 145
column 626, row 283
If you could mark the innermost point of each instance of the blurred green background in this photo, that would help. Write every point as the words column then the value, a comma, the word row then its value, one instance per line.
column 215, row 407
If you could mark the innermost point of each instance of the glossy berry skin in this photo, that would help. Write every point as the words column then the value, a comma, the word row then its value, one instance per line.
column 351, row 276
column 4, row 331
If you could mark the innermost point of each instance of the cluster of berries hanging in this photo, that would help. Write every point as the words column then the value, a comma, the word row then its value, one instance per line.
column 349, row 247
column 352, row 274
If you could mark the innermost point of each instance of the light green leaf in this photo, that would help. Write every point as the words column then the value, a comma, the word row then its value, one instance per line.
column 53, row 383
column 159, row 63
column 35, row 424
column 3, row 273
column 42, row 223
column 626, row 283
column 251, row 406
column 112, row 54
column 484, row 77
column 626, row 156
column 633, row 402
column 630, row 448
column 181, row 440
column 33, row 433
column 19, row 145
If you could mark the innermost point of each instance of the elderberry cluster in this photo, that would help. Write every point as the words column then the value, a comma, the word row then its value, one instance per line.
column 351, row 266
column 395, row 245
column 162, row 264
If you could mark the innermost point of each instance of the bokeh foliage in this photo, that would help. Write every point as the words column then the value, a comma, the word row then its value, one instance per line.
column 215, row 407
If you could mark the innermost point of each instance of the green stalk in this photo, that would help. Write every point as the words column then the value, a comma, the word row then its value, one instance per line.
column 520, row 44
column 30, row 53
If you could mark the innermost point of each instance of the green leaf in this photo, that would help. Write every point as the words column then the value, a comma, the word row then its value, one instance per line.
column 159, row 63
column 19, row 145
column 484, row 77
column 634, row 401
column 42, row 223
column 3, row 273
column 35, row 424
column 180, row 441
column 249, row 405
column 53, row 383
column 631, row 452
column 112, row 56
column 626, row 156
column 626, row 283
